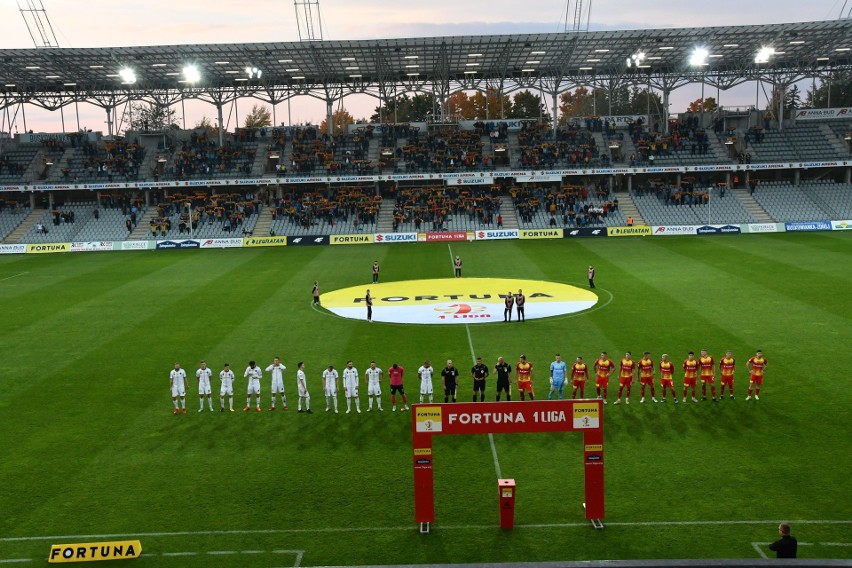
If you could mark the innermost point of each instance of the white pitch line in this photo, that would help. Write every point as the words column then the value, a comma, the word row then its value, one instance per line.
column 473, row 358
column 756, row 546
column 178, row 554
column 16, row 560
column 408, row 528
column 13, row 276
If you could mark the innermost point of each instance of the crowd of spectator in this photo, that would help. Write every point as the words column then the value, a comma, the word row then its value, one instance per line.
column 331, row 154
column 448, row 149
column 569, row 146
column 8, row 166
column 228, row 210
column 686, row 194
column 568, row 205
column 353, row 205
column 202, row 154
column 431, row 207
column 118, row 157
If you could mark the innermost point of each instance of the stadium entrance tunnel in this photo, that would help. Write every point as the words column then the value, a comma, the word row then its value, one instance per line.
column 457, row 300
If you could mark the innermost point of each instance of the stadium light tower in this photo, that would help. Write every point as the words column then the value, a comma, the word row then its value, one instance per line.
column 578, row 14
column 308, row 20
column 38, row 24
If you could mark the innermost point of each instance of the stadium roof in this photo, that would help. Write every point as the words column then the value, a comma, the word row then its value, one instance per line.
column 330, row 69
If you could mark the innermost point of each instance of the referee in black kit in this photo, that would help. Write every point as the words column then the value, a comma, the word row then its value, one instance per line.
column 479, row 372
column 449, row 376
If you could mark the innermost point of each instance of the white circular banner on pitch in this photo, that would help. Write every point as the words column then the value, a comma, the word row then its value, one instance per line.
column 457, row 300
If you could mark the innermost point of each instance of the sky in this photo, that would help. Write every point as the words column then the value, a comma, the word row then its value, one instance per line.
column 101, row 23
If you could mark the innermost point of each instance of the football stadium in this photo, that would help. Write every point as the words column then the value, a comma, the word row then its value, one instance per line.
column 530, row 311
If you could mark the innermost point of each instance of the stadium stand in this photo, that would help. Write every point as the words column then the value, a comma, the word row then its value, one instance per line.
column 787, row 202
column 336, row 212
column 661, row 204
column 15, row 162
column 12, row 213
column 446, row 209
column 567, row 206
column 570, row 147
column 222, row 215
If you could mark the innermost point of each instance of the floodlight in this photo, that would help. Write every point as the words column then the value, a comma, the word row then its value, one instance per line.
column 763, row 55
column 699, row 57
column 128, row 75
column 191, row 74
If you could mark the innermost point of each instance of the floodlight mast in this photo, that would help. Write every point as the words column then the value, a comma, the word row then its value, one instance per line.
column 308, row 20
column 38, row 24
column 580, row 14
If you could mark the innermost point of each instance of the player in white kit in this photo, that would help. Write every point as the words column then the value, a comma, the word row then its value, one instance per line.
column 277, row 382
column 302, row 383
column 350, row 387
column 177, row 385
column 203, row 375
column 374, row 388
column 329, row 385
column 226, row 375
column 254, row 374
column 425, row 373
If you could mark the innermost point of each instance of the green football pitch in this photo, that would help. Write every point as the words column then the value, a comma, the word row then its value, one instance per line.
column 92, row 451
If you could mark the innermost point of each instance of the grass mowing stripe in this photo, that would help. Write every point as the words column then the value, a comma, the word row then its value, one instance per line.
column 473, row 362
column 88, row 450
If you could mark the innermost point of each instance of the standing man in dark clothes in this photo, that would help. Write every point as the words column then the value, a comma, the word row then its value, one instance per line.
column 375, row 272
column 591, row 276
column 479, row 372
column 457, row 264
column 784, row 547
column 449, row 376
column 503, row 371
column 369, row 301
column 520, row 300
column 315, row 293
column 507, row 311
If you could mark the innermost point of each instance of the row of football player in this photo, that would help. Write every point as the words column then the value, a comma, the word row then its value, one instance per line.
column 331, row 385
column 603, row 367
column 702, row 368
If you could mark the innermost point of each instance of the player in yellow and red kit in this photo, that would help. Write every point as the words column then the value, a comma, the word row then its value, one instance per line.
column 603, row 369
column 625, row 377
column 579, row 376
column 708, row 370
column 690, row 374
column 524, row 370
column 756, row 366
column 667, row 376
column 646, row 375
column 726, row 371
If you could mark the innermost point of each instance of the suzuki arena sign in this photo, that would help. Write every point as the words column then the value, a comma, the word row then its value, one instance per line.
column 456, row 300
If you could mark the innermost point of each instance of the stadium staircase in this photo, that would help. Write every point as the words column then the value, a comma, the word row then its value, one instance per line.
column 258, row 167
column 510, row 216
column 24, row 227
column 752, row 206
column 152, row 150
column 54, row 175
column 628, row 208
column 384, row 224
column 264, row 222
column 143, row 226
column 837, row 143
